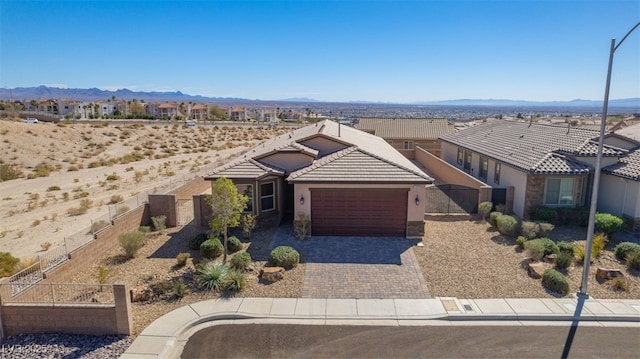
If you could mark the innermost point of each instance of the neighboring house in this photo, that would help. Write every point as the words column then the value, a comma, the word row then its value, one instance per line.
column 107, row 108
column 168, row 110
column 348, row 182
column 619, row 191
column 545, row 164
column 404, row 134
column 199, row 112
column 237, row 114
column 268, row 116
column 48, row 106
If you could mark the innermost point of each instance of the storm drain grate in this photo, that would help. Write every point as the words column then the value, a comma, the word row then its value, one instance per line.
column 468, row 308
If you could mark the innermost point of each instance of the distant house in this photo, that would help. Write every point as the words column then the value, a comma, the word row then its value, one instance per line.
column 168, row 110
column 199, row 112
column 404, row 134
column 237, row 114
column 348, row 182
column 546, row 165
column 48, row 106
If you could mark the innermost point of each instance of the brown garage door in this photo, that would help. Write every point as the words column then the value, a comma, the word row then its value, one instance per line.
column 358, row 213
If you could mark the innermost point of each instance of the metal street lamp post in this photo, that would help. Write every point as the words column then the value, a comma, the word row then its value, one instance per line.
column 596, row 178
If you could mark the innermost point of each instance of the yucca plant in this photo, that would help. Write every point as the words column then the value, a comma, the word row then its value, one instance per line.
column 212, row 277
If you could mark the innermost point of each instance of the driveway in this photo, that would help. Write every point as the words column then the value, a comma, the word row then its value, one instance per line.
column 357, row 267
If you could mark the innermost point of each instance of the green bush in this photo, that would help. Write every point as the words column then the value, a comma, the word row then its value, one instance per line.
column 212, row 277
column 131, row 242
column 599, row 241
column 555, row 281
column 608, row 223
column 179, row 288
column 284, row 256
column 520, row 242
column 484, row 209
column 550, row 247
column 159, row 222
column 566, row 247
column 211, row 248
column 545, row 229
column 233, row 244
column 144, row 229
column 182, row 258
column 542, row 214
column 507, row 225
column 535, row 249
column 493, row 218
column 564, row 260
column 7, row 264
column 529, row 229
column 196, row 242
column 235, row 281
column 240, row 261
column 622, row 250
column 633, row 260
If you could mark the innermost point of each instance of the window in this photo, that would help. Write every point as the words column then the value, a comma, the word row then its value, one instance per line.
column 496, row 173
column 559, row 191
column 408, row 145
column 460, row 156
column 267, row 196
column 247, row 190
column 467, row 161
column 484, row 168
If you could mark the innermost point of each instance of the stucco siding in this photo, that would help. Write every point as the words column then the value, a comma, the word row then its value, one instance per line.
column 619, row 196
column 511, row 177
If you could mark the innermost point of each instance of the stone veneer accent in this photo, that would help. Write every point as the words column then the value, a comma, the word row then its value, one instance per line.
column 415, row 229
column 534, row 195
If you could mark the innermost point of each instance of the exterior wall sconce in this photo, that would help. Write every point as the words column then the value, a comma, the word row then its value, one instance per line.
column 301, row 199
column 417, row 200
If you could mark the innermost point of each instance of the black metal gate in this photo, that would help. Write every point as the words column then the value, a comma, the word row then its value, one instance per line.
column 451, row 198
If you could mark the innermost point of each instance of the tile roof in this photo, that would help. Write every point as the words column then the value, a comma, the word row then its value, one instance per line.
column 627, row 167
column 532, row 148
column 372, row 145
column 355, row 165
column 247, row 168
column 409, row 128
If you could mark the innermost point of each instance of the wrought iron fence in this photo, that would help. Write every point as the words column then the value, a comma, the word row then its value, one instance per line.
column 58, row 293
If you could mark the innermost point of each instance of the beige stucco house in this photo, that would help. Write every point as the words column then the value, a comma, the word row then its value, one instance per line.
column 347, row 181
column 546, row 165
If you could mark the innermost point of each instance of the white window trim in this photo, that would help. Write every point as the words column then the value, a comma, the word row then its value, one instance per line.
column 460, row 156
column 497, row 168
column 270, row 195
column 408, row 145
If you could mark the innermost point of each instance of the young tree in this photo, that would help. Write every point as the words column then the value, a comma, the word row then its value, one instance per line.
column 227, row 205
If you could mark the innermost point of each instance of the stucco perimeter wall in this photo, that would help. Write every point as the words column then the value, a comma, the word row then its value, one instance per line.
column 164, row 205
column 94, row 319
column 195, row 186
column 446, row 173
column 106, row 239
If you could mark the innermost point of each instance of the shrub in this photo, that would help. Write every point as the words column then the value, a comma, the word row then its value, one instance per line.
column 633, row 261
column 45, row 246
column 248, row 223
column 542, row 214
column 211, row 248
column 284, row 256
column 555, row 281
column 493, row 218
column 96, row 226
column 9, row 172
column 116, row 198
column 619, row 283
column 235, row 281
column 507, row 225
column 102, row 275
column 566, row 247
column 53, row 188
column 233, row 244
column 484, row 209
column 240, row 261
column 608, row 223
column 159, row 222
column 212, row 277
column 196, row 242
column 535, row 249
column 530, row 229
column 182, row 258
column 550, row 247
column 545, row 229
column 7, row 264
column 579, row 253
column 179, row 288
column 131, row 242
column 564, row 260
column 599, row 241
column 521, row 241
column 622, row 250
column 144, row 229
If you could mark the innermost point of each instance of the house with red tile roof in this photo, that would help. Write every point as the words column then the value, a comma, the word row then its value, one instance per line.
column 348, row 182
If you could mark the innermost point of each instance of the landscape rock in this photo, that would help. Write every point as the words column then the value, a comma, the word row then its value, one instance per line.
column 550, row 258
column 536, row 269
column 272, row 274
column 141, row 294
column 606, row 274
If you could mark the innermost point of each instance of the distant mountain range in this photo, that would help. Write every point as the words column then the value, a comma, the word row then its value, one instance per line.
column 94, row 94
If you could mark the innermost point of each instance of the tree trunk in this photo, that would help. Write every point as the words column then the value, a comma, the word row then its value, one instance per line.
column 224, row 257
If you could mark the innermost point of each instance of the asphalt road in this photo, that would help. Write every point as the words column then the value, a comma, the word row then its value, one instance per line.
column 299, row 341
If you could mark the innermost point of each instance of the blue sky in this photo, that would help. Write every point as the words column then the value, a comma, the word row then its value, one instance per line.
column 386, row 51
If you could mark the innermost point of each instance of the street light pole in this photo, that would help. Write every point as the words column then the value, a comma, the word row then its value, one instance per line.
column 596, row 177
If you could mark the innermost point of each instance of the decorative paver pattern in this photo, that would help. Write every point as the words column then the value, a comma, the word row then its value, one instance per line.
column 357, row 267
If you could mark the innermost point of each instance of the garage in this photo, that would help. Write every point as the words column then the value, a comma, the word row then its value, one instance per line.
column 354, row 212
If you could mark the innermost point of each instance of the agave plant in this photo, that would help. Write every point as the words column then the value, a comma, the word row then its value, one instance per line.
column 212, row 277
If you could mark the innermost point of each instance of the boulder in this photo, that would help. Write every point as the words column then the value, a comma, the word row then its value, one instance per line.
column 550, row 258
column 536, row 269
column 272, row 274
column 606, row 274
column 139, row 294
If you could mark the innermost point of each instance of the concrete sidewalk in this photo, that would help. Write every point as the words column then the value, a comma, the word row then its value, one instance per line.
column 166, row 336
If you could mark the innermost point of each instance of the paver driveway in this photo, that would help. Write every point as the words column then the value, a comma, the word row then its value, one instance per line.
column 357, row 267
